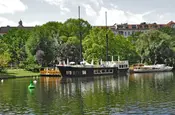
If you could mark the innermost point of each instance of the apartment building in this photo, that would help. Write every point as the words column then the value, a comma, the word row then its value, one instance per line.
column 128, row 29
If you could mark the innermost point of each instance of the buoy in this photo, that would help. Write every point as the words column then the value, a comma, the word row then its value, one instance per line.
column 2, row 80
column 31, row 86
column 34, row 81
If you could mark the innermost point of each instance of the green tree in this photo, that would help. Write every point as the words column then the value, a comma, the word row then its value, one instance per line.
column 126, row 49
column 168, row 30
column 45, row 40
column 69, row 51
column 118, row 46
column 4, row 55
column 155, row 47
column 15, row 40
column 94, row 44
column 73, row 27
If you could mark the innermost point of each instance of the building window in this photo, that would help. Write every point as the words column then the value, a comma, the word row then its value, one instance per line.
column 133, row 26
column 125, row 34
column 128, row 33
column 121, row 32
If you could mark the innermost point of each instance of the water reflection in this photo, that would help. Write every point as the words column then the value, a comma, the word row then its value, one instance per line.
column 155, row 78
column 69, row 86
column 151, row 93
column 158, row 75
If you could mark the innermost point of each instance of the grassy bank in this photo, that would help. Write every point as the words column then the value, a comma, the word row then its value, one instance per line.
column 14, row 73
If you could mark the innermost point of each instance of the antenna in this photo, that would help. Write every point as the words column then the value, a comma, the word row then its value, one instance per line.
column 80, row 35
column 106, row 37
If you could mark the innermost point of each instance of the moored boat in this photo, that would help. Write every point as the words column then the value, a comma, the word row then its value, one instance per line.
column 50, row 71
column 86, row 69
column 151, row 68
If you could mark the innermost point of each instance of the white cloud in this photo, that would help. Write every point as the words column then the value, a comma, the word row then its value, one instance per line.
column 95, row 11
column 5, row 22
column 11, row 6
column 118, row 16
column 89, row 10
column 98, row 3
column 55, row 2
column 59, row 3
column 33, row 23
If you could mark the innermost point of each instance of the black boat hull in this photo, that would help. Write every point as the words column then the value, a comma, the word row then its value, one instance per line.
column 68, row 71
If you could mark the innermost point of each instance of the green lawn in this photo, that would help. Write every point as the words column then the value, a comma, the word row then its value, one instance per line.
column 18, row 73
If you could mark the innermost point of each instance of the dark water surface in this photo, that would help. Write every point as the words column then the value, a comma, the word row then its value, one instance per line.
column 152, row 93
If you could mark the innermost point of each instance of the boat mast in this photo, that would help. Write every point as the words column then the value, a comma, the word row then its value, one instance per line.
column 80, row 35
column 106, row 37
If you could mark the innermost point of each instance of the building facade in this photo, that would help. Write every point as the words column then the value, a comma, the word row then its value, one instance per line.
column 128, row 29
column 4, row 30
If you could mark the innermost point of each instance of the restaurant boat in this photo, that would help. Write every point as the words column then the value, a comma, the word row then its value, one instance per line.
column 141, row 68
column 86, row 69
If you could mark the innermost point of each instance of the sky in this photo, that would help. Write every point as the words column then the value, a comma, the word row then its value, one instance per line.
column 38, row 12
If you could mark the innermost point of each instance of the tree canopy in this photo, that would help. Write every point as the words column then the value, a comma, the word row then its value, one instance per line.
column 155, row 47
column 54, row 41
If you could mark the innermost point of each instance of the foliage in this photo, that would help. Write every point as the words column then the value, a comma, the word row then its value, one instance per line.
column 168, row 30
column 43, row 40
column 4, row 60
column 155, row 47
column 15, row 41
column 134, row 37
column 73, row 27
column 126, row 50
column 118, row 46
column 95, row 44
column 69, row 51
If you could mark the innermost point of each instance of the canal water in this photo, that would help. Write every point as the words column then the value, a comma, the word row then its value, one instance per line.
column 151, row 93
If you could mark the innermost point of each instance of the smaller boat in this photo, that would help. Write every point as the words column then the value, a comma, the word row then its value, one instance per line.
column 141, row 68
column 50, row 71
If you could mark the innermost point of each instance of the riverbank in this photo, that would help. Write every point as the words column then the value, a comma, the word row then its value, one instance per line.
column 17, row 73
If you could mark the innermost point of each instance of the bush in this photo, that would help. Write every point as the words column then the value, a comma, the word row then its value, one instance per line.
column 2, row 69
column 33, row 67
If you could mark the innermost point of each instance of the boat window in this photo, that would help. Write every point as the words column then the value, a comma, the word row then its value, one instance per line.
column 68, row 72
column 84, row 72
column 95, row 71
column 103, row 71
